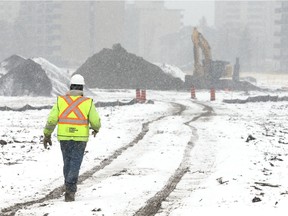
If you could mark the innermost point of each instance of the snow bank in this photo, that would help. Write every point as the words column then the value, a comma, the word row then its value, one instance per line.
column 59, row 77
column 172, row 70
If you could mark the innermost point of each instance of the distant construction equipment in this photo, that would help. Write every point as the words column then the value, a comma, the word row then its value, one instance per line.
column 207, row 73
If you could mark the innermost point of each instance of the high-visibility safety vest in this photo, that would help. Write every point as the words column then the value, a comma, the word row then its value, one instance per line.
column 73, row 116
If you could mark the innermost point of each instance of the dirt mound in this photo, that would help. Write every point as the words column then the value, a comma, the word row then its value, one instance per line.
column 26, row 79
column 10, row 63
column 116, row 68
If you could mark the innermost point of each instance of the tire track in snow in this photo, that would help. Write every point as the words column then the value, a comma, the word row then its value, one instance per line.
column 154, row 203
column 58, row 192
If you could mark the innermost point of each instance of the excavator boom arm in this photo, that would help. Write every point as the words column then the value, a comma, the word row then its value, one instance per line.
column 200, row 42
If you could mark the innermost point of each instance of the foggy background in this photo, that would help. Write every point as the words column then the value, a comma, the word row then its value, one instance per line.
column 66, row 33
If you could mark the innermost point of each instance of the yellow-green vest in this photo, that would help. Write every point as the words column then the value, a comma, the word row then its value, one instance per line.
column 73, row 119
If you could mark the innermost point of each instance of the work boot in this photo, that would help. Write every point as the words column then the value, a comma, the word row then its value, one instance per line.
column 69, row 196
column 63, row 189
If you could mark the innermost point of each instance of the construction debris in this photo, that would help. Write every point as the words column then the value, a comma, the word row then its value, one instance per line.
column 249, row 138
column 220, row 180
column 33, row 77
column 256, row 199
column 266, row 184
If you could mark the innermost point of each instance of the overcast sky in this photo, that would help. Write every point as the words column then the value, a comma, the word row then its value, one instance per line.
column 194, row 10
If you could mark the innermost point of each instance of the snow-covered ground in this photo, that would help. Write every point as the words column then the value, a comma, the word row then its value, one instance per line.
column 220, row 170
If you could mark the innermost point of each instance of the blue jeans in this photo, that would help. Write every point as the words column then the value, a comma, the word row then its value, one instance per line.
column 72, row 152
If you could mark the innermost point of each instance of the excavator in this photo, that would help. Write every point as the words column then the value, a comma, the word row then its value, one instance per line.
column 208, row 72
column 200, row 42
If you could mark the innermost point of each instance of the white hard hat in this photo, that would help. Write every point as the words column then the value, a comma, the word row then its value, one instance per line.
column 77, row 79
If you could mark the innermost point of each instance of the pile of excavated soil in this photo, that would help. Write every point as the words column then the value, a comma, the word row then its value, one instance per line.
column 10, row 63
column 26, row 79
column 116, row 68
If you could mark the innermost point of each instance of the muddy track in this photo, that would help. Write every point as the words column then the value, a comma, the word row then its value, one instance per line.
column 58, row 192
column 153, row 205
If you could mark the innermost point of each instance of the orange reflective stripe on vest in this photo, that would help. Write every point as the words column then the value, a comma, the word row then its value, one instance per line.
column 73, row 106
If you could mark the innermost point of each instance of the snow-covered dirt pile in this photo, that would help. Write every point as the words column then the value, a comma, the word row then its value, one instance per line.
column 32, row 77
column 11, row 62
column 28, row 78
column 117, row 68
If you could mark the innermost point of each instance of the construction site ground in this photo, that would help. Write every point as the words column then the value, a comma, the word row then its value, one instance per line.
column 172, row 156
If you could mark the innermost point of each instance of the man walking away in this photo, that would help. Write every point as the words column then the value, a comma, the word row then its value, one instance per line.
column 72, row 113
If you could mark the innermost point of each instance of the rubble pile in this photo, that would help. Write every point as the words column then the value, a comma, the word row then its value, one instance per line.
column 32, row 77
column 116, row 68
column 10, row 63
column 26, row 79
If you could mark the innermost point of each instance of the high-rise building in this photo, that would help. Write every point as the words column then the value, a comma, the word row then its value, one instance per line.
column 246, row 29
column 88, row 27
column 146, row 24
column 68, row 32
column 38, row 30
column 8, row 14
column 282, row 34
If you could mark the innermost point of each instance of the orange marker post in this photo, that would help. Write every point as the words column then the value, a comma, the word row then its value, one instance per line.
column 138, row 95
column 143, row 96
column 193, row 94
column 212, row 94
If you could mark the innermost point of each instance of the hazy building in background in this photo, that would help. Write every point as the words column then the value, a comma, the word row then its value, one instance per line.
column 246, row 30
column 9, row 11
column 8, row 14
column 282, row 34
column 146, row 24
column 177, row 49
column 87, row 27
column 107, row 24
column 38, row 31
column 68, row 32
